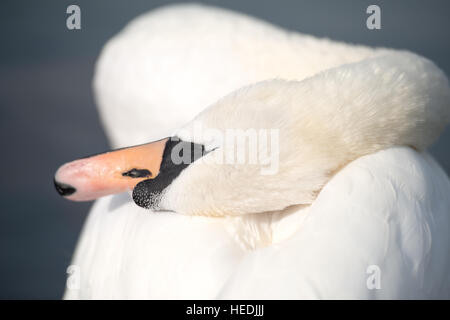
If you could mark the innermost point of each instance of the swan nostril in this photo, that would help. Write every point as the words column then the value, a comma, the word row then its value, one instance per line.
column 137, row 173
column 64, row 189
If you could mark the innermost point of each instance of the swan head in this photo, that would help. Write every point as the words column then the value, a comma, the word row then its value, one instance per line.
column 254, row 150
column 273, row 144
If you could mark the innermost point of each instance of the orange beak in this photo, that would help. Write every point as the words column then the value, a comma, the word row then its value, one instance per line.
column 111, row 172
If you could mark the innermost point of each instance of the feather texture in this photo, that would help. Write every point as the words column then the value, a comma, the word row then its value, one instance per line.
column 389, row 208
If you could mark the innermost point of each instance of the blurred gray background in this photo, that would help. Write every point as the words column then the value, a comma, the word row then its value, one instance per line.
column 48, row 115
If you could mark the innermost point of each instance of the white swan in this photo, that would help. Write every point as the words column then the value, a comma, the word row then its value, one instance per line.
column 387, row 206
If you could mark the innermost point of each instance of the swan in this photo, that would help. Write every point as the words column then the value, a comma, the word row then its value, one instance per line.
column 353, row 188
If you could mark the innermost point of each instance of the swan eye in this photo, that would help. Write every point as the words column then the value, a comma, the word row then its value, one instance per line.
column 177, row 156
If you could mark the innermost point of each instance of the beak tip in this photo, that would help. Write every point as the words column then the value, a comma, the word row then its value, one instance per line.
column 64, row 189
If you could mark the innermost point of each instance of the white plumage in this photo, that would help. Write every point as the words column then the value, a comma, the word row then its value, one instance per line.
column 389, row 207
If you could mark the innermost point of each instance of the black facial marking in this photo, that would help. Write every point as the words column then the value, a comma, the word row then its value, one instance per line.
column 146, row 193
column 64, row 189
column 137, row 173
